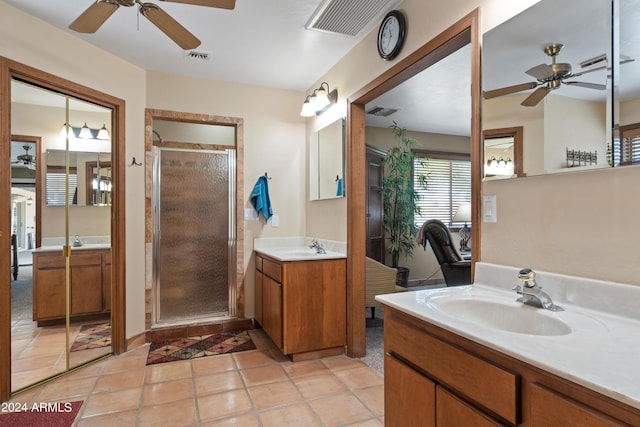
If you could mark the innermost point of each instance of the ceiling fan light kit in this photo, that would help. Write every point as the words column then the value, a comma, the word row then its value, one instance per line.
column 549, row 77
column 95, row 15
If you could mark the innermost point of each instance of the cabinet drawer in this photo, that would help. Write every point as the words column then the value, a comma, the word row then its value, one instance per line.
column 551, row 408
column 478, row 380
column 259, row 262
column 272, row 269
column 58, row 261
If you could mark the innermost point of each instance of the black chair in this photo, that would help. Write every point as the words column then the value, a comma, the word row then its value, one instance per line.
column 455, row 269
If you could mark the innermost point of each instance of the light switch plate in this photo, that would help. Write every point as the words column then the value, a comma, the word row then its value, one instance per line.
column 275, row 220
column 250, row 214
column 489, row 210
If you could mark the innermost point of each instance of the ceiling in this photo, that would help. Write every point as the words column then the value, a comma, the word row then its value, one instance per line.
column 266, row 43
column 259, row 42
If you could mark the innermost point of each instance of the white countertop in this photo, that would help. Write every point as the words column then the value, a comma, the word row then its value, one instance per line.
column 87, row 246
column 602, row 351
column 298, row 248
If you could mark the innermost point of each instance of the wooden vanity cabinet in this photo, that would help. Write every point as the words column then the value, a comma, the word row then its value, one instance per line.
column 90, row 280
column 301, row 305
column 437, row 378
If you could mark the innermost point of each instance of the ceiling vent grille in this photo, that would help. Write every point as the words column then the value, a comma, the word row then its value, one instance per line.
column 381, row 111
column 197, row 55
column 347, row 17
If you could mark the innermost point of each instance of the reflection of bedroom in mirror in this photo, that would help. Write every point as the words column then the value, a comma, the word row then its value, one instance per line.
column 549, row 70
column 502, row 152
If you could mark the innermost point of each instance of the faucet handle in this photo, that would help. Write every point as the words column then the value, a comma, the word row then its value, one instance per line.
column 526, row 274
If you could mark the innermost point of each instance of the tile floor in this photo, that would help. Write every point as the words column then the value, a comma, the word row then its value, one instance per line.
column 253, row 388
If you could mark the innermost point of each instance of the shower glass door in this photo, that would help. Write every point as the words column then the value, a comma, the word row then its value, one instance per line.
column 193, row 234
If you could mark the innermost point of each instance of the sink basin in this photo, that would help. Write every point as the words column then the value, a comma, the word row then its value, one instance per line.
column 521, row 319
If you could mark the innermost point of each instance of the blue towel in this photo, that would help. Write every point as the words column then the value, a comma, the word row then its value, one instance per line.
column 260, row 198
column 339, row 192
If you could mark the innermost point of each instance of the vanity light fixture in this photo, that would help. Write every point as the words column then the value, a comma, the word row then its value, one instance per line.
column 319, row 101
column 86, row 132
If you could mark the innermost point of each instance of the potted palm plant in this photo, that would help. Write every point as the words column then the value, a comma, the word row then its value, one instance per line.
column 400, row 200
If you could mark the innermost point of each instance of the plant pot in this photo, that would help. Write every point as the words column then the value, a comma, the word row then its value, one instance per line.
column 402, row 277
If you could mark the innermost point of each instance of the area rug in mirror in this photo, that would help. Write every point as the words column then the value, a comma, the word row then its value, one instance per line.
column 192, row 347
column 95, row 335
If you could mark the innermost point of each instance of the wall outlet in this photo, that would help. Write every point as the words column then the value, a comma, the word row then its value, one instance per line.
column 250, row 214
column 275, row 220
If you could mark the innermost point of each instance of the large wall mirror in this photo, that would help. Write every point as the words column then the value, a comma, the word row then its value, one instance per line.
column 551, row 70
column 326, row 162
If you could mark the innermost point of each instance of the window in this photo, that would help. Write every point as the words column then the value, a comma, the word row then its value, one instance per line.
column 56, row 188
column 448, row 185
column 626, row 145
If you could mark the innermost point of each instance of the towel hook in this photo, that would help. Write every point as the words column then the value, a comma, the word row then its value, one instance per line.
column 134, row 163
column 267, row 176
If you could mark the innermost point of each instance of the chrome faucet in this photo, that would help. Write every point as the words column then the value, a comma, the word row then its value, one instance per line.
column 532, row 294
column 317, row 246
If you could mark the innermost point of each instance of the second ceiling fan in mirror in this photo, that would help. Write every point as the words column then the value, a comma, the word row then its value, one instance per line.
column 548, row 77
column 96, row 15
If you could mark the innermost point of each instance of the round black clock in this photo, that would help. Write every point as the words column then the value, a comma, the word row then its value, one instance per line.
column 391, row 35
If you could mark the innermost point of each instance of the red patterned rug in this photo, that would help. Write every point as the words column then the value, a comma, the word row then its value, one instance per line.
column 93, row 336
column 53, row 414
column 192, row 347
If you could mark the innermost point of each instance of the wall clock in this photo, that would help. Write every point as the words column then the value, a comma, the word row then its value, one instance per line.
column 391, row 35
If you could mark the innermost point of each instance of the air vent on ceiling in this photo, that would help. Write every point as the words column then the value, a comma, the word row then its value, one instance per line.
column 347, row 17
column 381, row 111
column 197, row 55
column 598, row 59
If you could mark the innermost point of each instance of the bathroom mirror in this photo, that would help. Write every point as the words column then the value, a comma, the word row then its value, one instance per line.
column 90, row 178
column 326, row 162
column 567, row 127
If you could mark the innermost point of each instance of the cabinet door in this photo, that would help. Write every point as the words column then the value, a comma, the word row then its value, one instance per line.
column 453, row 412
column 409, row 397
column 272, row 309
column 106, row 281
column 49, row 293
column 259, row 298
column 86, row 289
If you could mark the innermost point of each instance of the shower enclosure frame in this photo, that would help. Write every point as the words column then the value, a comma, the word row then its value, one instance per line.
column 156, row 202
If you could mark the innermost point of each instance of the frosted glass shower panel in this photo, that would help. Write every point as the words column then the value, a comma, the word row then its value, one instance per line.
column 193, row 235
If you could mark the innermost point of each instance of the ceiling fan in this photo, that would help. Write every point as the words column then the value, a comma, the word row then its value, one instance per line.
column 96, row 15
column 549, row 77
column 26, row 159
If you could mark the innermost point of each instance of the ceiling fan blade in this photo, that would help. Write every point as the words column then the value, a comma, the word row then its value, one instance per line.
column 509, row 90
column 541, row 72
column 220, row 4
column 537, row 96
column 172, row 28
column 587, row 85
column 95, row 15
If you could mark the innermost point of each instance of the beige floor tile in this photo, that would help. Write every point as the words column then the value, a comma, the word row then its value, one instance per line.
column 64, row 388
column 223, row 405
column 116, row 419
column 121, row 363
column 263, row 375
column 251, row 359
column 116, row 401
column 180, row 413
column 374, row 422
column 168, row 391
column 373, row 398
column 339, row 363
column 290, row 416
column 274, row 394
column 29, row 363
column 213, row 364
column 340, row 409
column 168, row 371
column 216, row 383
column 319, row 385
column 117, row 381
column 360, row 378
column 301, row 369
column 247, row 420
